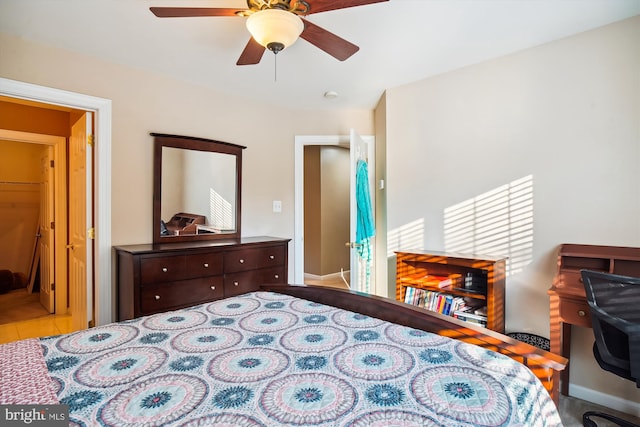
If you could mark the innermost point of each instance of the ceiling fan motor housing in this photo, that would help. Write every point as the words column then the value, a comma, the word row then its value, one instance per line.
column 299, row 7
column 275, row 29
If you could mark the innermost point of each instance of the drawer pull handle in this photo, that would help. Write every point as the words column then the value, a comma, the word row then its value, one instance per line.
column 206, row 265
column 272, row 257
column 581, row 313
column 241, row 261
column 213, row 288
column 276, row 276
column 157, row 297
column 165, row 269
column 235, row 283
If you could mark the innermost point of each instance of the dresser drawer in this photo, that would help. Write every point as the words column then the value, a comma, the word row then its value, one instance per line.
column 575, row 313
column 240, row 283
column 270, row 276
column 273, row 257
column 160, row 297
column 249, row 259
column 202, row 265
column 162, row 269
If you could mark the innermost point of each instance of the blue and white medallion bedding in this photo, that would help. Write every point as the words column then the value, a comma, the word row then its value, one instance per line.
column 266, row 359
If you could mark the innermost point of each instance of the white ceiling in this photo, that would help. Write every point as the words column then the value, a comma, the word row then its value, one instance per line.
column 401, row 41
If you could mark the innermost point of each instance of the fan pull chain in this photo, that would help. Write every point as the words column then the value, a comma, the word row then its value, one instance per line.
column 275, row 68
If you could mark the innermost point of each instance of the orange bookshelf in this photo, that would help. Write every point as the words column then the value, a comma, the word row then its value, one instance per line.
column 478, row 281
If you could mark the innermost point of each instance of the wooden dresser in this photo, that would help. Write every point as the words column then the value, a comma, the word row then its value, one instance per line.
column 161, row 277
column 568, row 304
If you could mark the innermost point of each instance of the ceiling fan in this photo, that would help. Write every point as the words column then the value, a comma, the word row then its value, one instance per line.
column 277, row 24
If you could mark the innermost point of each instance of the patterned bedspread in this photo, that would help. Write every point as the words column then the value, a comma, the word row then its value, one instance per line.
column 265, row 359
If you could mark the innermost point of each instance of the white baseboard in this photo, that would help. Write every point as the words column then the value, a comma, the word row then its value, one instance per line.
column 326, row 276
column 599, row 398
column 312, row 276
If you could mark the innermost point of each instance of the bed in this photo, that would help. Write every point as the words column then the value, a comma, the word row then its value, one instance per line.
column 286, row 356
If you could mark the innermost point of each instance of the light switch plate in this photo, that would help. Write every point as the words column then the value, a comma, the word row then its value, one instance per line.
column 277, row 206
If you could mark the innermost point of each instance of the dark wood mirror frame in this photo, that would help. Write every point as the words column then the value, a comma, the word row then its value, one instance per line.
column 198, row 144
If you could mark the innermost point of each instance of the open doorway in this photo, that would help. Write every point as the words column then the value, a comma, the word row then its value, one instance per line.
column 326, row 215
column 100, row 309
column 37, row 175
column 334, row 151
column 32, row 200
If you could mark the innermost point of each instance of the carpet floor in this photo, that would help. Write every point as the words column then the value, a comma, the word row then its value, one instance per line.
column 572, row 408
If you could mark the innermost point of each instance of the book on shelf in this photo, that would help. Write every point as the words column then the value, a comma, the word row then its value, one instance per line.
column 408, row 291
column 450, row 280
column 434, row 301
column 471, row 315
column 482, row 311
column 439, row 281
column 447, row 304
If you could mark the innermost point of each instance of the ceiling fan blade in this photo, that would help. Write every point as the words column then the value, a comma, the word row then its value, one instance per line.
column 252, row 53
column 335, row 46
column 326, row 5
column 184, row 12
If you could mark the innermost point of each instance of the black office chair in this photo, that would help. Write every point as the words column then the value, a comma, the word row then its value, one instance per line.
column 614, row 302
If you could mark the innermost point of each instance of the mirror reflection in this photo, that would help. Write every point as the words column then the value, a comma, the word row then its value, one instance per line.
column 196, row 189
column 198, row 192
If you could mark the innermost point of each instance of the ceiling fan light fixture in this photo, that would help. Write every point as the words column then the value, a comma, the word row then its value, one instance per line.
column 275, row 29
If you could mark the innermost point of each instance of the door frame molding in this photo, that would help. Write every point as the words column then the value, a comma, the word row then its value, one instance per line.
column 298, row 232
column 101, row 107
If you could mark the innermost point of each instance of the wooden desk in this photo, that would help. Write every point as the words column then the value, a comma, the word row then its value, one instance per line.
column 568, row 304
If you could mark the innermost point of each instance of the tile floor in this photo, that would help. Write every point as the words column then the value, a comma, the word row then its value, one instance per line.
column 33, row 328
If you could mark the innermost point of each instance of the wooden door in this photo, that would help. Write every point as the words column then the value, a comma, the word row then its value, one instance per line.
column 47, row 238
column 80, row 246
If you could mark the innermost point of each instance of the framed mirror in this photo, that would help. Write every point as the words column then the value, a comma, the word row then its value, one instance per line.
column 196, row 189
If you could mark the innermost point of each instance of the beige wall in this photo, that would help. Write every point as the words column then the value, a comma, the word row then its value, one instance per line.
column 144, row 102
column 568, row 114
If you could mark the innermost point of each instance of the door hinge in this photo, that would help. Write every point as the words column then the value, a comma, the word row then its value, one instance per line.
column 91, row 233
column 53, row 286
column 51, row 163
column 90, row 139
column 53, row 225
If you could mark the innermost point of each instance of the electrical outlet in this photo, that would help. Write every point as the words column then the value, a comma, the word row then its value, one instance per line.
column 277, row 206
